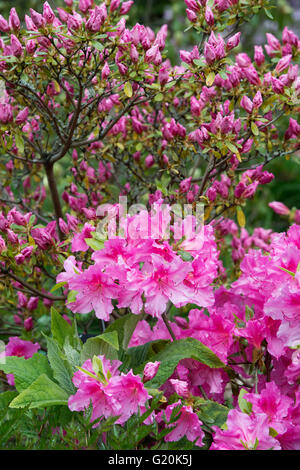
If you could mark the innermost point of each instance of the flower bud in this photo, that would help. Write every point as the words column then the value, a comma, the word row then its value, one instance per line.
column 149, row 161
column 233, row 41
column 48, row 13
column 279, row 208
column 28, row 324
column 126, row 7
column 247, row 104
column 14, row 20
column 6, row 114
column 4, row 26
column 209, row 16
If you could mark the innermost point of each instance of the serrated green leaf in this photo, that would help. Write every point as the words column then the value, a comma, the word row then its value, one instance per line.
column 62, row 372
column 188, row 348
column 26, row 371
column 41, row 393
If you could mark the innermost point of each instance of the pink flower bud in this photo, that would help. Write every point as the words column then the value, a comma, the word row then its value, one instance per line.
column 151, row 53
column 31, row 46
column 185, row 184
column 185, row 56
column 191, row 15
column 277, row 85
column 105, row 71
column 14, row 20
column 192, row 5
column 211, row 194
column 6, row 114
column 14, row 216
column 257, row 100
column 273, row 42
column 233, row 41
column 125, row 7
column 209, row 16
column 32, row 303
column 37, row 18
column 16, row 46
column 84, row 5
column 289, row 37
column 134, row 55
column 137, row 156
column 12, row 237
column 22, row 116
column 279, row 208
column 114, row 5
column 209, row 53
column 4, row 26
column 283, row 63
column 2, row 245
column 247, row 104
column 259, row 55
column 28, row 324
column 149, row 161
column 48, row 13
column 150, row 370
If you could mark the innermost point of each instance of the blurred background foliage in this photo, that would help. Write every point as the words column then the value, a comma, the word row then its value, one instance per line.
column 286, row 185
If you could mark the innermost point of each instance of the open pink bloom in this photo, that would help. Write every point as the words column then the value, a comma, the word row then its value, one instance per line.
column 244, row 432
column 110, row 393
column 164, row 282
column 273, row 404
column 188, row 425
column 78, row 242
column 95, row 291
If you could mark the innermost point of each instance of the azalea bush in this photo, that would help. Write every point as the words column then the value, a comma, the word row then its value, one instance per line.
column 137, row 310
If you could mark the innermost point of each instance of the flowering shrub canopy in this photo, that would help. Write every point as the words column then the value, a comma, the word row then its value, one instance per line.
column 137, row 304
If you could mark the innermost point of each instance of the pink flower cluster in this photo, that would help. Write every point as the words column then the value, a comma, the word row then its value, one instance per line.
column 144, row 264
column 111, row 393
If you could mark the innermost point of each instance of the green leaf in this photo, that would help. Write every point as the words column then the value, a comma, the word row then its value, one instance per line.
column 210, row 79
column 269, row 14
column 125, row 327
column 6, row 398
column 106, row 344
column 98, row 45
column 128, row 89
column 159, row 97
column 26, row 371
column 254, row 129
column 41, row 393
column 62, row 372
column 188, row 348
column 240, row 216
column 94, row 244
column 58, row 286
column 211, row 412
column 60, row 328
column 244, row 405
column 19, row 143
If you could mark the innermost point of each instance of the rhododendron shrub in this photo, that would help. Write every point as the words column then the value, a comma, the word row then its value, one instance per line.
column 138, row 311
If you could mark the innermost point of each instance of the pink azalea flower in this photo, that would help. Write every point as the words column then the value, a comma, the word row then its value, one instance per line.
column 244, row 432
column 95, row 291
column 188, row 424
column 273, row 404
column 110, row 393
